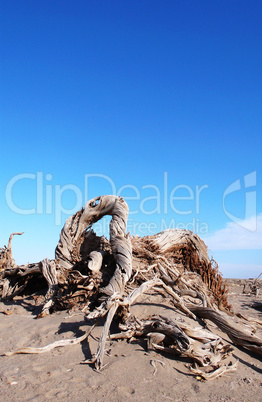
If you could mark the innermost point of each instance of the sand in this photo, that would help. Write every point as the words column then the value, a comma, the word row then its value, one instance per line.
column 131, row 374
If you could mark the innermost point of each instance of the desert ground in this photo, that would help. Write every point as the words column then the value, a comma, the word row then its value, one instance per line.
column 131, row 373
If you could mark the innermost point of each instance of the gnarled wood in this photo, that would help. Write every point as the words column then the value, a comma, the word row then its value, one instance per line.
column 6, row 256
column 105, row 277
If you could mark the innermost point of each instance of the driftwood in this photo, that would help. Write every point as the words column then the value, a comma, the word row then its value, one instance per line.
column 104, row 278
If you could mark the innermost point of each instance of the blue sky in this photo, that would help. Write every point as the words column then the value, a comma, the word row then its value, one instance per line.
column 157, row 101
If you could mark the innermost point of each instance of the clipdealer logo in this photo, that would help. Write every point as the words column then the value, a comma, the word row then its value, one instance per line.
column 163, row 200
column 149, row 199
column 249, row 204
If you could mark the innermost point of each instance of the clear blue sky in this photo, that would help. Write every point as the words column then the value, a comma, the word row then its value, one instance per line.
column 161, row 97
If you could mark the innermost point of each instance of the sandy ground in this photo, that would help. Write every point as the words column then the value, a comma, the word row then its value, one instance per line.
column 131, row 373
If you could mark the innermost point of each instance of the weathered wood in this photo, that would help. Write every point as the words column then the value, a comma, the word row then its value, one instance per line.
column 105, row 277
column 95, row 260
column 72, row 236
column 47, row 348
column 50, row 274
column 239, row 334
column 6, row 256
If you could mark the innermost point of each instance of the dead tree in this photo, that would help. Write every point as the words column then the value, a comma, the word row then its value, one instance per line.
column 104, row 278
